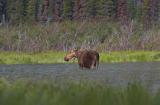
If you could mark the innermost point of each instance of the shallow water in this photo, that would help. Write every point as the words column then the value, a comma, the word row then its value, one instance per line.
column 116, row 74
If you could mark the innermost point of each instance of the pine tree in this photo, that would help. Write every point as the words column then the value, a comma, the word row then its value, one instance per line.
column 102, row 7
column 139, row 10
column 91, row 8
column 68, row 8
column 122, row 11
column 132, row 9
column 151, row 13
column 44, row 11
column 37, row 9
column 14, row 11
column 57, row 9
column 1, row 10
column 23, row 11
column 31, row 10
column 110, row 9
column 79, row 9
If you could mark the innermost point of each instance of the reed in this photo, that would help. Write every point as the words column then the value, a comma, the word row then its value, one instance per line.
column 24, row 92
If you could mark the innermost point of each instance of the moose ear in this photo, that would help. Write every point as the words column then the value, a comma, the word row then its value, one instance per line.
column 75, row 49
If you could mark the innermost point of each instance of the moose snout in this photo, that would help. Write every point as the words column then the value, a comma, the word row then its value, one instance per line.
column 66, row 59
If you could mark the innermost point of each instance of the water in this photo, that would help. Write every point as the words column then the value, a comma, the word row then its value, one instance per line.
column 117, row 74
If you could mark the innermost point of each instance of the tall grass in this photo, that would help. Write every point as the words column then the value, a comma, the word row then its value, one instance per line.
column 58, row 57
column 102, row 35
column 52, row 93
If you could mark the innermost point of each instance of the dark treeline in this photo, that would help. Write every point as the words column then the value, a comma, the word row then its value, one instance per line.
column 20, row 11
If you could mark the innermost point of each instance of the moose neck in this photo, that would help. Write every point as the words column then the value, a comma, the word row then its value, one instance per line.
column 78, row 54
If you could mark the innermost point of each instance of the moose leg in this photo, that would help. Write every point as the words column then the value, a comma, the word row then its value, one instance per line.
column 81, row 65
column 93, row 64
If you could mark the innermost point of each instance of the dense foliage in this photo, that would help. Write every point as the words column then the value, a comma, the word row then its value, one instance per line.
column 38, row 25
column 18, row 11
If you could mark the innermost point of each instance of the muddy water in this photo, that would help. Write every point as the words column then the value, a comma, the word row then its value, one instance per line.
column 117, row 74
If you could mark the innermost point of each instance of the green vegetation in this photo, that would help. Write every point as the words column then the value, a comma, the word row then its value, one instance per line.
column 101, row 35
column 23, row 11
column 57, row 57
column 130, row 56
column 51, row 93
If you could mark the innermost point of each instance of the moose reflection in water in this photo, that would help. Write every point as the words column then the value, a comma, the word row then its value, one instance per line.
column 86, row 58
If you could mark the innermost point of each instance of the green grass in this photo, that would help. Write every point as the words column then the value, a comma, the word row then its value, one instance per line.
column 51, row 93
column 58, row 57
column 130, row 56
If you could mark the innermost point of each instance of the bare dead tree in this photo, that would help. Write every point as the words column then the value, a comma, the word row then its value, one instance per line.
column 76, row 34
column 44, row 11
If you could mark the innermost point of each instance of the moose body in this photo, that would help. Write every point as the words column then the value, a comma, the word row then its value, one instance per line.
column 86, row 58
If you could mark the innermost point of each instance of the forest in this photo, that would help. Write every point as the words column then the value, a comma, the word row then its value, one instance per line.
column 19, row 11
column 38, row 25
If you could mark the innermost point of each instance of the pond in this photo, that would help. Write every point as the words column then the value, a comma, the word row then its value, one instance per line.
column 114, row 74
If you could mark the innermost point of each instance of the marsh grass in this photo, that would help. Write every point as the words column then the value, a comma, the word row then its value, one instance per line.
column 130, row 56
column 102, row 35
column 58, row 57
column 25, row 92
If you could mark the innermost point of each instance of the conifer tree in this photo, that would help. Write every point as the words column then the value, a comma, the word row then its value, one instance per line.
column 110, row 8
column 92, row 8
column 79, row 9
column 31, row 10
column 122, row 11
column 132, row 8
column 3, row 11
column 102, row 7
column 14, row 11
column 23, row 10
column 68, row 8
column 37, row 10
column 44, row 11
column 57, row 9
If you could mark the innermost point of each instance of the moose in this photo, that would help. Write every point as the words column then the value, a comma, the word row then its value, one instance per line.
column 86, row 58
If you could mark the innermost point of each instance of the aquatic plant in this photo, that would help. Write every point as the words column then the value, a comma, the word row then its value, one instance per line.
column 24, row 92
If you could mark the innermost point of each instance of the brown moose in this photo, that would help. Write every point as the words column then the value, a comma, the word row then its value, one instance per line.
column 86, row 58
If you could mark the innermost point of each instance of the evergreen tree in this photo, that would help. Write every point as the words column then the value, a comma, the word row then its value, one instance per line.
column 79, row 9
column 139, row 11
column 57, row 9
column 102, row 7
column 91, row 8
column 31, row 10
column 132, row 8
column 110, row 8
column 122, row 11
column 14, row 11
column 44, row 11
column 68, row 8
column 23, row 10
column 37, row 9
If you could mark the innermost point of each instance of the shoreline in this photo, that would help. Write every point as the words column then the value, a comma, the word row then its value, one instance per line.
column 57, row 57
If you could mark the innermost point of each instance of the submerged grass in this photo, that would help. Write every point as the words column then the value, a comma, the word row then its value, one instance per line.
column 52, row 93
column 57, row 57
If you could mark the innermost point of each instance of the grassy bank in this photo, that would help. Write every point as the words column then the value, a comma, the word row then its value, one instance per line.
column 58, row 57
column 52, row 93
